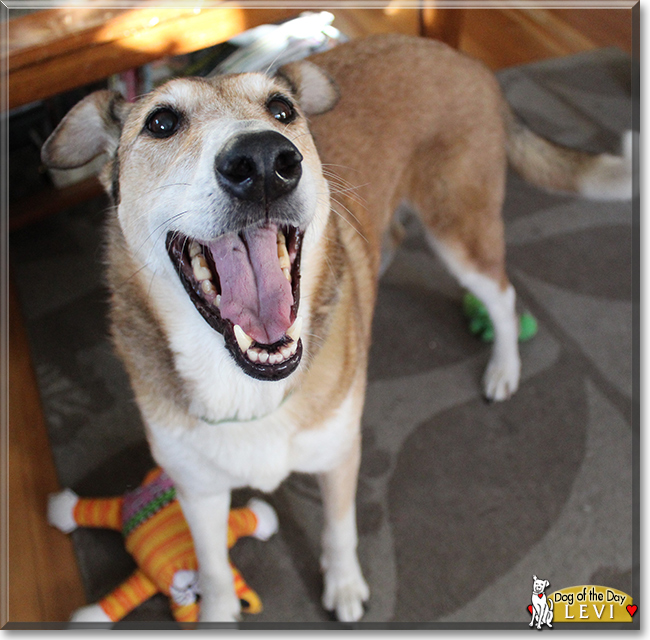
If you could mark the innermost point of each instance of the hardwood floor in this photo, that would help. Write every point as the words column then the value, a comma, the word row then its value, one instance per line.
column 525, row 36
column 507, row 37
column 40, row 580
column 43, row 580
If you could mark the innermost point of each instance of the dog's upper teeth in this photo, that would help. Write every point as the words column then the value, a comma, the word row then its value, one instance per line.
column 243, row 339
column 200, row 268
column 195, row 248
column 217, row 301
column 294, row 330
column 283, row 255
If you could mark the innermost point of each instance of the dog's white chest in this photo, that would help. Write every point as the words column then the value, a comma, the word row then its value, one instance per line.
column 259, row 452
column 320, row 448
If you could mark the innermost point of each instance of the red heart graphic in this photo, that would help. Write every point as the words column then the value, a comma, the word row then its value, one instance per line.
column 540, row 595
column 530, row 609
column 631, row 609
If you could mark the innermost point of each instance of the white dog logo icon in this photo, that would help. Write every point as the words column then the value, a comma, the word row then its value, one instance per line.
column 542, row 606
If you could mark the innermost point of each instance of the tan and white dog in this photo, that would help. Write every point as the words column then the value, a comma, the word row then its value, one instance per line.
column 249, row 218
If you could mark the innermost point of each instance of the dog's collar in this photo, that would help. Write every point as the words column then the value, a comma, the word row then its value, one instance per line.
column 236, row 419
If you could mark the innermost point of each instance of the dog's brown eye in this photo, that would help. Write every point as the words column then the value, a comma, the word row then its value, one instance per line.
column 163, row 123
column 281, row 109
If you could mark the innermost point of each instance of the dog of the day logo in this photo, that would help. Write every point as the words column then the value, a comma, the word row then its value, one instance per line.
column 541, row 607
column 584, row 603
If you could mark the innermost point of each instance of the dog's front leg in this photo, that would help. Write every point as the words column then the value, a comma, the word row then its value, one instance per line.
column 345, row 589
column 207, row 517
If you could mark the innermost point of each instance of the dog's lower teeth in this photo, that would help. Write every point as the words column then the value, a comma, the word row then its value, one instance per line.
column 287, row 273
column 286, row 351
column 256, row 354
column 217, row 301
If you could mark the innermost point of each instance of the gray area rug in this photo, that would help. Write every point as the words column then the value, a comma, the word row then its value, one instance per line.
column 459, row 502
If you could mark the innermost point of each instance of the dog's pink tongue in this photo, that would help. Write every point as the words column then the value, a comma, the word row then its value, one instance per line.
column 254, row 292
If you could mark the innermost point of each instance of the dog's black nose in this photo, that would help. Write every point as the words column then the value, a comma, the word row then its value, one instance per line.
column 259, row 166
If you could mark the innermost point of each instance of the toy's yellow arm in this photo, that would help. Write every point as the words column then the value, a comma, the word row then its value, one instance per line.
column 104, row 513
column 66, row 511
column 131, row 593
column 257, row 519
column 241, row 522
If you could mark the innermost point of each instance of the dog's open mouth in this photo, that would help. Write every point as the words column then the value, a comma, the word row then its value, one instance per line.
column 246, row 286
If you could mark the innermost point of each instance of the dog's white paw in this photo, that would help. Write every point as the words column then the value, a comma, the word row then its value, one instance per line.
column 225, row 608
column 90, row 613
column 345, row 592
column 501, row 378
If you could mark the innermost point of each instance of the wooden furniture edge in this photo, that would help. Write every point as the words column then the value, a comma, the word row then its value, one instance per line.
column 96, row 59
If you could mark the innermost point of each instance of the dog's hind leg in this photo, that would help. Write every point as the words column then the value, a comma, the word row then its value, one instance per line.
column 501, row 378
column 459, row 197
column 345, row 589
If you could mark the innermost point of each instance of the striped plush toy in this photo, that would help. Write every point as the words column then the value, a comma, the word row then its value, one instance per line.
column 158, row 538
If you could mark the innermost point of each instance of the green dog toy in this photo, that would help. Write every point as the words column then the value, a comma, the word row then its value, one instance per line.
column 481, row 325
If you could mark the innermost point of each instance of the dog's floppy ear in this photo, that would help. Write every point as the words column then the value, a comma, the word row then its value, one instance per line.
column 91, row 127
column 315, row 90
column 547, row 583
column 534, row 577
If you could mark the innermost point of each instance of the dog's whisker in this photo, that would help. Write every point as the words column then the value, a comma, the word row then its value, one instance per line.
column 361, row 204
column 319, row 340
column 153, row 275
column 340, row 182
column 348, row 189
column 162, row 224
column 341, row 166
column 346, row 220
column 135, row 273
column 151, row 249
column 270, row 66
column 164, row 186
column 297, row 137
